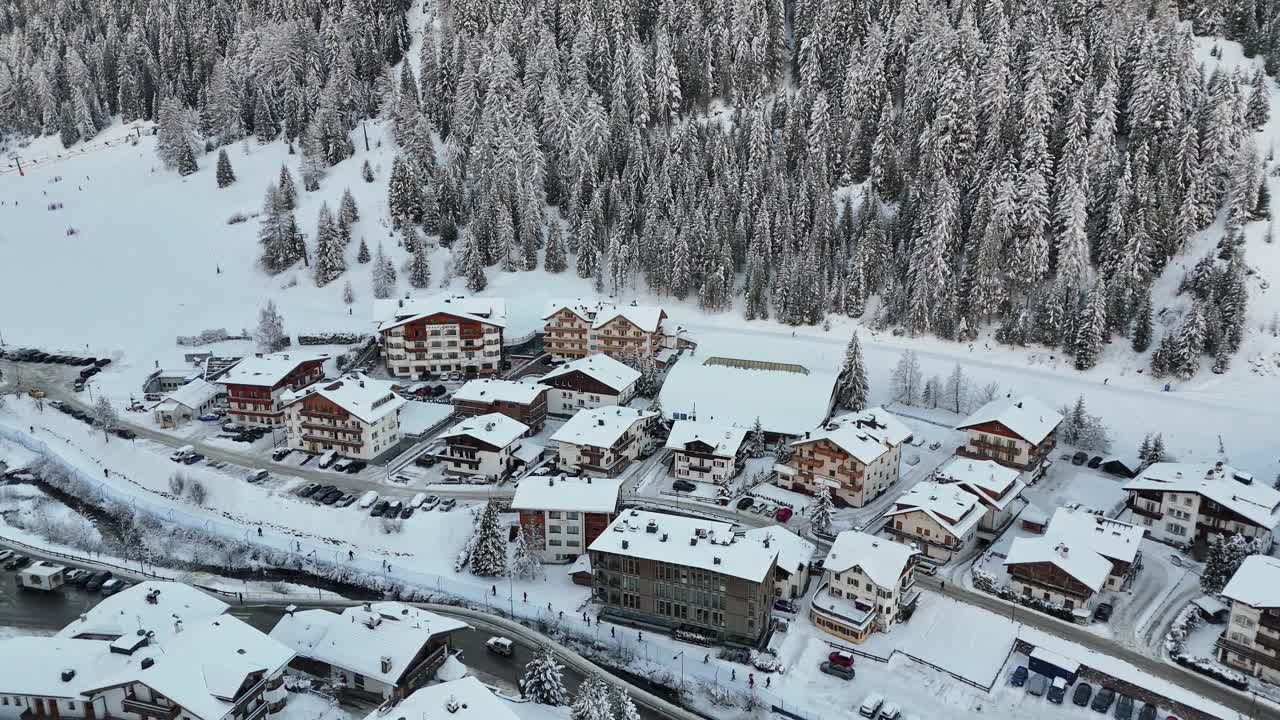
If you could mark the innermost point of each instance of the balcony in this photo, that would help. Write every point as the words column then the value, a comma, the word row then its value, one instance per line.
column 1270, row 620
column 329, row 440
column 331, row 428
column 132, row 704
column 1253, row 654
column 1268, row 641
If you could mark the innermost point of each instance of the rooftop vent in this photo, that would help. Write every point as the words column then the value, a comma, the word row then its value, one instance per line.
column 715, row 561
column 488, row 427
column 148, row 662
column 153, row 597
column 67, row 675
column 626, row 544
column 702, row 532
column 664, row 537
column 693, row 541
column 386, row 664
column 651, row 527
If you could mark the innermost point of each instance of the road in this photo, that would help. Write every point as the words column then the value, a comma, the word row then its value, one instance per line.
column 1145, row 662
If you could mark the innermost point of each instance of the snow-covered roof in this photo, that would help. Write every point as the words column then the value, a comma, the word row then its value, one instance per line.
column 42, row 569
column 361, row 637
column 1112, row 539
column 195, row 394
column 881, row 560
column 1025, row 416
column 725, row 440
column 493, row 429
column 392, row 312
column 582, row 564
column 793, row 550
column 366, row 398
column 1223, row 484
column 267, row 370
column 562, row 492
column 865, row 435
column 1033, row 514
column 417, row 417
column 992, row 483
column 953, row 508
column 488, row 390
column 151, row 605
column 1210, row 604
column 203, row 667
column 34, row 665
column 600, row 312
column 463, row 699
column 600, row 427
column 602, row 369
column 789, row 395
column 1075, row 559
column 1256, row 583
column 694, row 542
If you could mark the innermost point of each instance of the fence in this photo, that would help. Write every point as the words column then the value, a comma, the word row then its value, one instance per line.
column 87, row 560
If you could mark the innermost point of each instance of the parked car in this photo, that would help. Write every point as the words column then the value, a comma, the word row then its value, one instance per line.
column 448, row 504
column 429, row 503
column 758, row 508
column 1079, row 458
column 500, row 646
column 784, row 514
column 5, row 555
column 14, row 563
column 103, row 362
column 280, row 453
column 368, row 499
column 181, row 452
column 208, row 417
column 83, row 579
column 1082, row 694
column 1124, row 708
column 346, row 501
column 1102, row 613
column 870, row 707
column 840, row 657
column 787, row 606
column 332, row 496
column 233, row 427
column 356, row 466
column 439, row 390
column 308, row 490
column 1095, row 462
column 393, row 509
column 95, row 582
column 342, row 465
column 1148, row 712
column 126, row 434
column 192, row 458
column 1057, row 690
column 425, row 460
column 841, row 671
column 407, row 512
column 745, row 503
column 890, row 711
column 378, row 508
column 1019, row 676
column 111, row 587
column 78, row 386
column 683, row 486
column 328, row 459
column 1102, row 701
column 1037, row 685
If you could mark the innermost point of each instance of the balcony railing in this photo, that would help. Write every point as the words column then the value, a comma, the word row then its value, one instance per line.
column 149, row 709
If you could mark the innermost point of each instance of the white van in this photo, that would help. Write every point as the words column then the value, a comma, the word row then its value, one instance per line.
column 258, row 476
column 181, row 452
column 367, row 500
column 418, row 500
column 890, row 711
column 871, row 705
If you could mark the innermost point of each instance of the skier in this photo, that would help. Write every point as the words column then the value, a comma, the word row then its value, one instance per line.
column 259, row 532
column 351, row 555
column 706, row 658
column 751, row 680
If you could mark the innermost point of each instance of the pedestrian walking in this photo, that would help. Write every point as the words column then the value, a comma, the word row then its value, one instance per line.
column 526, row 596
column 733, row 673
column 751, row 680
column 944, row 584
column 613, row 632
column 560, row 616
column 495, row 590
column 766, row 681
column 259, row 532
column 639, row 636
column 106, row 473
column 351, row 555
column 706, row 658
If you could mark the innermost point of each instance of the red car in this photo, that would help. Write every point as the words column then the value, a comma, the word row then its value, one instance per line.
column 840, row 658
column 784, row 514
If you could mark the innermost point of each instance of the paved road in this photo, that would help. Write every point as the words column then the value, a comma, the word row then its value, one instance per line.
column 1145, row 662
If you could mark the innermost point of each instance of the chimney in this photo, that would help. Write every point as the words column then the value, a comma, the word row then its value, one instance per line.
column 693, row 541
column 664, row 537
column 67, row 675
column 177, row 626
column 715, row 560
column 386, row 664
column 290, row 610
column 368, row 607
column 148, row 662
column 626, row 544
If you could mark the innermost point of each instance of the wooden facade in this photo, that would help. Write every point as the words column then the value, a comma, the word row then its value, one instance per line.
column 443, row 343
column 533, row 414
column 260, row 404
column 1051, row 577
column 995, row 441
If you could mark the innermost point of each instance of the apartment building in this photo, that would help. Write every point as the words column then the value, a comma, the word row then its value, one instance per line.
column 562, row 515
column 1079, row 556
column 940, row 519
column 379, row 650
column 793, row 569
column 996, row 486
column 684, row 574
column 705, row 451
column 857, row 457
column 1017, row 432
column 425, row 337
column 484, row 446
column 256, row 385
column 525, row 402
column 578, row 328
column 355, row 416
column 604, row 441
column 868, row 585
column 156, row 650
column 1251, row 642
column 590, row 382
column 1190, row 503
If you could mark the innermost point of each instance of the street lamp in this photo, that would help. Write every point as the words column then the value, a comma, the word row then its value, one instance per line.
column 681, row 656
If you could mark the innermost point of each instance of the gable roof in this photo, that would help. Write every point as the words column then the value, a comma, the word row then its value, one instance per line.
column 1223, row 484
column 951, row 507
column 1077, row 560
column 194, row 394
column 695, row 542
column 1025, row 416
column 362, row 636
column 599, row 312
column 494, row 429
column 562, row 492
column 725, row 440
column 600, row 368
column 865, row 435
column 463, row 699
column 152, row 605
column 1112, row 539
column 600, row 427
column 1256, row 582
column 368, row 399
column 881, row 560
column 391, row 312
column 992, row 483
column 267, row 370
column 489, row 390
column 793, row 550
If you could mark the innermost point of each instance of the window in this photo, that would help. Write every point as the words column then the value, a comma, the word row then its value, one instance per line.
column 1243, row 621
column 1175, row 529
column 571, row 515
column 572, row 529
column 553, row 529
column 555, row 542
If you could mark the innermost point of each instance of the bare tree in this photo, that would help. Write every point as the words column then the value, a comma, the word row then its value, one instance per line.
column 197, row 492
column 105, row 417
column 177, row 483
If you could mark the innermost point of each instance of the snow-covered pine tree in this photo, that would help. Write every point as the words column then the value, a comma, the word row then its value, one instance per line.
column 820, row 515
column 382, row 275
column 555, row 260
column 420, row 266
column 1091, row 327
column 330, row 261
column 105, row 416
column 1226, row 553
column 362, row 256
column 366, row 171
column 288, row 195
column 404, row 197
column 755, row 440
column 956, row 390
column 473, row 266
column 348, row 293
column 851, row 391
column 1142, row 325
column 270, row 335
column 175, row 136
column 490, row 555
column 907, row 379
column 347, row 209
column 1258, row 110
column 186, row 160
column 278, row 234
column 543, row 679
column 524, row 561
column 621, row 704
column 225, row 175
column 591, row 702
